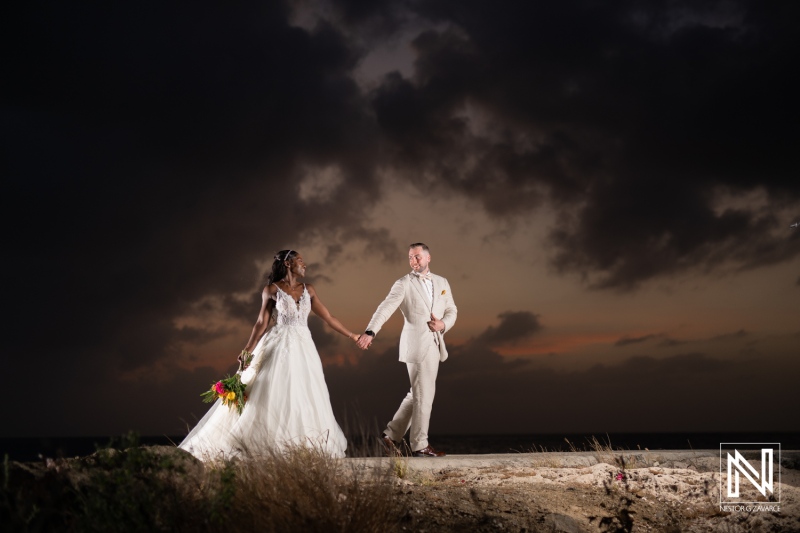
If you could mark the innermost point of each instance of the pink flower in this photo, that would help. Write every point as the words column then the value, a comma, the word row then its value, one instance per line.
column 219, row 387
column 620, row 476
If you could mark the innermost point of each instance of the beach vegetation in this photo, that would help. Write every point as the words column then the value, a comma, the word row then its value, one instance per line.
column 126, row 487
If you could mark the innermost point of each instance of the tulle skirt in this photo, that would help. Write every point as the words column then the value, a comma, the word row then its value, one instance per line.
column 288, row 404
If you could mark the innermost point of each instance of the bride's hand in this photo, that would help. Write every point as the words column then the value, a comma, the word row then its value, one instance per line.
column 364, row 341
column 242, row 358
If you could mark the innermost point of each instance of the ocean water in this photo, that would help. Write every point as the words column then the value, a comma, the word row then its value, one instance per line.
column 33, row 449
column 480, row 444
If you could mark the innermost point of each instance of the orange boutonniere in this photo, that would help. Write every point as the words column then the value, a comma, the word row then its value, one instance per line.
column 444, row 292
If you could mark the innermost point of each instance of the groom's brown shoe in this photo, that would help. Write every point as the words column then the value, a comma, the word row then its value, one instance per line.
column 389, row 446
column 428, row 451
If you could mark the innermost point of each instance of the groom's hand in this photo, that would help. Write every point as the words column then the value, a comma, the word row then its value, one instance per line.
column 435, row 324
column 364, row 341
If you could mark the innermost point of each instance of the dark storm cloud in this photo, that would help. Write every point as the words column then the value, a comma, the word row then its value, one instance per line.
column 669, row 342
column 159, row 149
column 152, row 154
column 199, row 335
column 625, row 341
column 633, row 118
column 245, row 310
column 372, row 20
column 514, row 326
column 740, row 334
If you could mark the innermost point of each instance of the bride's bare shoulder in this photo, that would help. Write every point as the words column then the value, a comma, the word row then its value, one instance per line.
column 270, row 290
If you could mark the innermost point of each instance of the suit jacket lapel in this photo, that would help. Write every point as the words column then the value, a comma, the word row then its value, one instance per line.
column 435, row 282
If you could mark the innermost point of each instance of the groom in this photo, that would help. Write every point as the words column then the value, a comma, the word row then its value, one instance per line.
column 421, row 297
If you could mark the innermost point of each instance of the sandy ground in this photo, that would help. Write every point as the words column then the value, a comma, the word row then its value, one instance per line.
column 587, row 491
column 633, row 491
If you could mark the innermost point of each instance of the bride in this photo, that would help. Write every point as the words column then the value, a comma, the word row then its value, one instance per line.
column 288, row 402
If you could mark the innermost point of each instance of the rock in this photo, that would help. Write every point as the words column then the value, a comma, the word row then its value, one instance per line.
column 790, row 459
column 562, row 523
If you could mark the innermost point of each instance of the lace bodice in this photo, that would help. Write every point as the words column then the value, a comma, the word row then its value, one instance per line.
column 291, row 313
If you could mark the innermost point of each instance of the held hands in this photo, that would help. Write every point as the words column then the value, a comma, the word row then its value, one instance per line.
column 364, row 341
column 434, row 324
column 358, row 339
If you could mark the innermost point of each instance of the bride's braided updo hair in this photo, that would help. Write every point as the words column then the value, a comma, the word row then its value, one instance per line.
column 279, row 269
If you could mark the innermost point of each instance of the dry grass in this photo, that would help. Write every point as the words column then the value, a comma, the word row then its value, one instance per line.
column 305, row 490
column 399, row 467
column 165, row 489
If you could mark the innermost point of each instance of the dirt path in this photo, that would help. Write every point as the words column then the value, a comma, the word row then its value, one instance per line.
column 600, row 497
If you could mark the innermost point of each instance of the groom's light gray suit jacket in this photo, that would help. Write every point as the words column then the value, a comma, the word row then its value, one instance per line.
column 416, row 340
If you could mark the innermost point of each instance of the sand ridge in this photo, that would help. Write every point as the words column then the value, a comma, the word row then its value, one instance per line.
column 586, row 491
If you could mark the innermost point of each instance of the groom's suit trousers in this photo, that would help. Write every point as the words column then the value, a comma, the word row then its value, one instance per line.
column 415, row 409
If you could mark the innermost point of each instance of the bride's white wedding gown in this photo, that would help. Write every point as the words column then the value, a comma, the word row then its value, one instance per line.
column 288, row 402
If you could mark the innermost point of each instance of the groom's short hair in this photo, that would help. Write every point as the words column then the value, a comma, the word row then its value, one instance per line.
column 419, row 245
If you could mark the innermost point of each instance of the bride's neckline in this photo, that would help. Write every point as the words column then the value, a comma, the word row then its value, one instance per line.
column 297, row 302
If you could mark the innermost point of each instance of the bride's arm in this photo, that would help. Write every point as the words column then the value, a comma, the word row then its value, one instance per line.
column 321, row 311
column 267, row 305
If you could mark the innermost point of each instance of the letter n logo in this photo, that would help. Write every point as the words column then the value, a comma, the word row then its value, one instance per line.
column 735, row 466
column 738, row 467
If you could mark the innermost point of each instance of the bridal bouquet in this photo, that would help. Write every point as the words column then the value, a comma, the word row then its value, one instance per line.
column 231, row 390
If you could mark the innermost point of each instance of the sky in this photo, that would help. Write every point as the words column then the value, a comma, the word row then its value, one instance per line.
column 609, row 187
